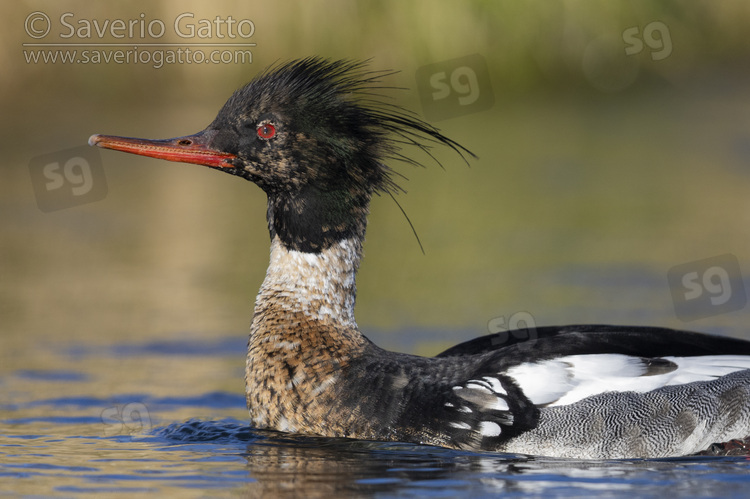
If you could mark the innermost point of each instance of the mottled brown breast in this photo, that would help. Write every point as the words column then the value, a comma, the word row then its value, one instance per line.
column 296, row 366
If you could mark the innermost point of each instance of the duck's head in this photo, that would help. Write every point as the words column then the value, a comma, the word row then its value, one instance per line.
column 313, row 136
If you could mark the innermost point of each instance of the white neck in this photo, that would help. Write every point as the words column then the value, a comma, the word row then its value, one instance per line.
column 319, row 285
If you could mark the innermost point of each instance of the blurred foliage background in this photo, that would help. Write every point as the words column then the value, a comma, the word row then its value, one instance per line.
column 598, row 171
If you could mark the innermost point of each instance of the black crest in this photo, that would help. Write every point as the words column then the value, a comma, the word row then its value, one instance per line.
column 340, row 107
column 332, row 134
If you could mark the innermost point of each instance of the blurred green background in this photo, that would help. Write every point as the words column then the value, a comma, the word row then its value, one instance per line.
column 598, row 171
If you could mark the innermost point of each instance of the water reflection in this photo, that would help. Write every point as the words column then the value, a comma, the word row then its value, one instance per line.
column 320, row 468
column 282, row 465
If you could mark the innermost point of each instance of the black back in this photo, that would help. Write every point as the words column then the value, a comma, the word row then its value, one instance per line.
column 551, row 341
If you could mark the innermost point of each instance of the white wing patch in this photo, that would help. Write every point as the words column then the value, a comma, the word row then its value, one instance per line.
column 568, row 379
column 489, row 429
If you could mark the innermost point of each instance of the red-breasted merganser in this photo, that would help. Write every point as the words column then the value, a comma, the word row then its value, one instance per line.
column 312, row 134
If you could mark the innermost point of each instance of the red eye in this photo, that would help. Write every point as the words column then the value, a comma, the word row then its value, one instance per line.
column 266, row 131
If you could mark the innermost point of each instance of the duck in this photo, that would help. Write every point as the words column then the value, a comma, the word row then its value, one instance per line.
column 316, row 135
